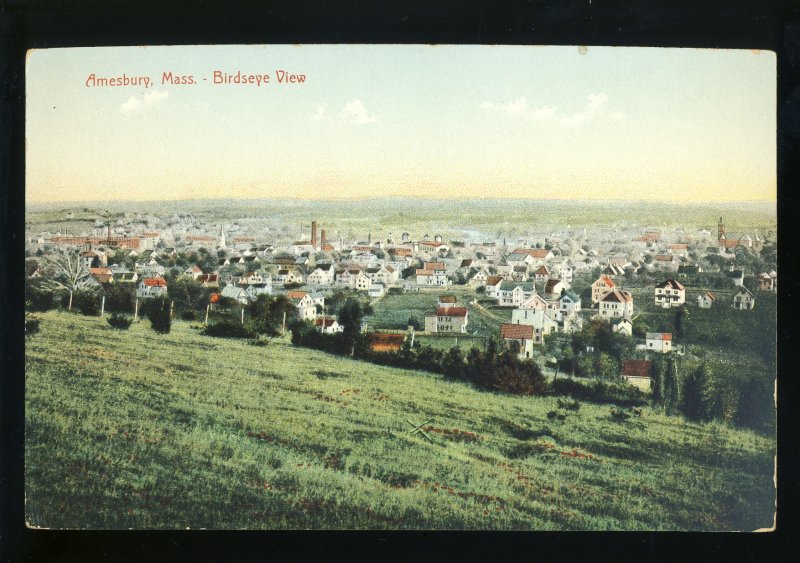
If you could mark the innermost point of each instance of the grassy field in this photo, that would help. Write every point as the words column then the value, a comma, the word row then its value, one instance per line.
column 134, row 429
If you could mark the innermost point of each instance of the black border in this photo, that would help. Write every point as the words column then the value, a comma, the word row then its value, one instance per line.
column 771, row 24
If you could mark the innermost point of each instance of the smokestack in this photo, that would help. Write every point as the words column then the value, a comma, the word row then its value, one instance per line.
column 369, row 238
column 324, row 240
column 314, row 234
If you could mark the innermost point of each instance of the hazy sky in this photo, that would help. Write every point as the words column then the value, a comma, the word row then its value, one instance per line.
column 369, row 121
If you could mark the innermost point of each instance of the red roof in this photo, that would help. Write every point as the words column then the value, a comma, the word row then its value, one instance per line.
column 448, row 299
column 516, row 332
column 155, row 282
column 296, row 294
column 434, row 266
column 100, row 271
column 451, row 311
column 636, row 368
column 679, row 246
column 619, row 296
column 542, row 271
column 381, row 342
column 494, row 280
column 606, row 280
column 327, row 322
column 659, row 336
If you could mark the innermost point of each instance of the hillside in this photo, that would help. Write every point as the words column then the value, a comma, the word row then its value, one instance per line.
column 131, row 429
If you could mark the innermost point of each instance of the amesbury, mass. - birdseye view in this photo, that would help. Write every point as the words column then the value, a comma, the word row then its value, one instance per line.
column 400, row 287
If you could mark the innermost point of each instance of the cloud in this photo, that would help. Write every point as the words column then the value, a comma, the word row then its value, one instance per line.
column 595, row 109
column 352, row 112
column 355, row 112
column 136, row 103
column 321, row 113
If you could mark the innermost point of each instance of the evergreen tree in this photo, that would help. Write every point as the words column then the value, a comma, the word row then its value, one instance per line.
column 656, row 377
column 694, row 402
column 158, row 312
column 670, row 385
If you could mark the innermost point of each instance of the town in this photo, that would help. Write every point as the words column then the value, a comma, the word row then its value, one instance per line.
column 419, row 287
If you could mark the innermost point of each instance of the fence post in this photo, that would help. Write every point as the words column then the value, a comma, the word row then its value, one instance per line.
column 207, row 309
column 103, row 306
column 136, row 311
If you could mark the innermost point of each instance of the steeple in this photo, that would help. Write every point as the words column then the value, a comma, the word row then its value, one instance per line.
column 222, row 244
column 720, row 229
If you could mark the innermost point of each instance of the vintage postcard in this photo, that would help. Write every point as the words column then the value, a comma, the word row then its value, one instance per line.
column 400, row 287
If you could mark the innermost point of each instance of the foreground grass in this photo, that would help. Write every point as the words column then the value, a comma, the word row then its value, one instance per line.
column 133, row 429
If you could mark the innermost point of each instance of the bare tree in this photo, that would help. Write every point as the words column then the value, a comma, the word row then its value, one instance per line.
column 70, row 274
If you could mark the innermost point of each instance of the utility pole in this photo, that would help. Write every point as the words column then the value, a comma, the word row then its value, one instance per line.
column 103, row 306
column 207, row 309
column 136, row 311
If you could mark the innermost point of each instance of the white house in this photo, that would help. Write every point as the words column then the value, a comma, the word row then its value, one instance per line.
column 535, row 301
column 254, row 290
column 670, row 293
column 743, row 300
column 447, row 319
column 541, row 322
column 430, row 277
column 616, row 304
column 235, row 293
column 623, row 326
column 493, row 286
column 376, row 290
column 322, row 275
column 513, row 294
column 553, row 288
column 328, row 325
column 706, row 300
column 151, row 287
column 569, row 303
column 306, row 309
column 658, row 342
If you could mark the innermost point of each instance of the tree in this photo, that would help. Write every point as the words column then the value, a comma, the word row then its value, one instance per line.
column 158, row 312
column 679, row 321
column 695, row 400
column 670, row 385
column 70, row 274
column 453, row 363
column 120, row 297
column 656, row 376
column 351, row 315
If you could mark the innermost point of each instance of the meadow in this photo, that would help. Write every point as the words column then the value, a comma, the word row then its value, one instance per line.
column 132, row 429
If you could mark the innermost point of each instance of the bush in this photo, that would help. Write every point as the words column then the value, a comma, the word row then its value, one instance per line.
column 87, row 303
column 121, row 322
column 31, row 325
column 568, row 405
column 189, row 315
column 600, row 392
column 159, row 315
column 228, row 329
column 39, row 299
column 619, row 415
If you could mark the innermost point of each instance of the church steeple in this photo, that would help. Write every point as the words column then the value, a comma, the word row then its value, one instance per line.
column 222, row 244
column 720, row 229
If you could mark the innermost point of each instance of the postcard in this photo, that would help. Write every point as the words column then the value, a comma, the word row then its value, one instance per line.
column 416, row 287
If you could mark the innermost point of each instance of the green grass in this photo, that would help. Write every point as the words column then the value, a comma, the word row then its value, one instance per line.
column 394, row 309
column 130, row 429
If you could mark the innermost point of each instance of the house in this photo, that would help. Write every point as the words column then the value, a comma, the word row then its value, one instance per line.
column 539, row 319
column 736, row 276
column 542, row 274
column 304, row 303
column 102, row 275
column 479, row 279
column 569, row 303
column 666, row 261
column 529, row 256
column 286, row 276
column 520, row 333
column 670, row 293
column 447, row 319
column 637, row 372
column 91, row 259
column 151, row 287
column 764, row 282
column 376, row 290
column 706, row 300
column 208, row 280
column 381, row 342
column 623, row 327
column 251, row 278
column 534, row 302
column 327, row 325
column 432, row 274
column 679, row 249
column 512, row 294
column 616, row 304
column 236, row 293
column 384, row 274
column 613, row 270
column 553, row 288
column 361, row 281
column 493, row 286
column 194, row 272
column 658, row 342
column 254, row 290
column 744, row 300
column 322, row 275
column 446, row 301
column 601, row 287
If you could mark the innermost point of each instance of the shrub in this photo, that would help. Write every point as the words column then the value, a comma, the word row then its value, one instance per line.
column 87, row 303
column 31, row 325
column 568, row 405
column 122, row 322
column 189, row 315
column 159, row 315
column 619, row 415
column 227, row 329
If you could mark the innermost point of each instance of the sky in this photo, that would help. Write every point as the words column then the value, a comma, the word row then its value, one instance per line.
column 622, row 123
